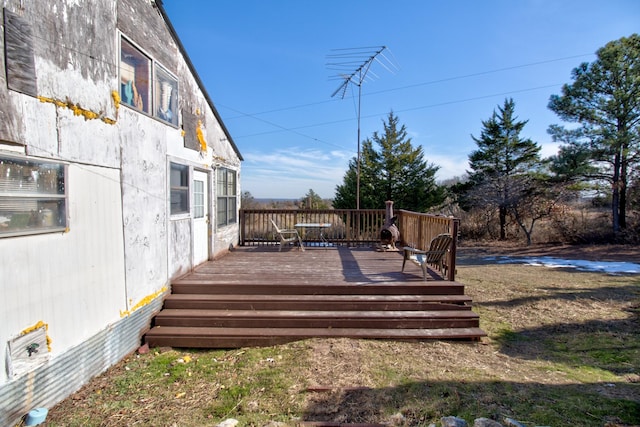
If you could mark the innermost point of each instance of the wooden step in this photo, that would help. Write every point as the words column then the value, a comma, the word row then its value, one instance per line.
column 258, row 298
column 194, row 286
column 201, row 337
column 318, row 302
column 317, row 319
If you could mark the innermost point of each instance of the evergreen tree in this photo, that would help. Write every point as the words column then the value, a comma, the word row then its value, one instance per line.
column 604, row 99
column 396, row 172
column 501, row 162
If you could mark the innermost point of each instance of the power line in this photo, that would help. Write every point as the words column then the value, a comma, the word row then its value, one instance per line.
column 284, row 129
column 411, row 86
column 423, row 107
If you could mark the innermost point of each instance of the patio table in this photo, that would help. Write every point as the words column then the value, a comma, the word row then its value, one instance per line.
column 319, row 227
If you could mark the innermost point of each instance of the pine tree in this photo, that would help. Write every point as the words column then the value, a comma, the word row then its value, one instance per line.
column 501, row 161
column 604, row 99
column 396, row 172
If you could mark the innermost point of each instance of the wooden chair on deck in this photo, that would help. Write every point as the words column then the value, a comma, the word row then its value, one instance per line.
column 435, row 256
column 287, row 236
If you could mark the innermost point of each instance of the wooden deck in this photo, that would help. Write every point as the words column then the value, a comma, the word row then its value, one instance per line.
column 260, row 296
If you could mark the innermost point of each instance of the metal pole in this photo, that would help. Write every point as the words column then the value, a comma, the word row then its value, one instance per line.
column 358, row 170
column 361, row 72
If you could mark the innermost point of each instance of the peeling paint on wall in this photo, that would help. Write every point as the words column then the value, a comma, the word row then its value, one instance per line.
column 200, row 135
column 118, row 178
column 116, row 100
column 78, row 110
column 219, row 161
column 143, row 302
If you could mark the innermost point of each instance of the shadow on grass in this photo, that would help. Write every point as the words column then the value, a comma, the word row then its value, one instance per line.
column 605, row 293
column 591, row 346
column 421, row 403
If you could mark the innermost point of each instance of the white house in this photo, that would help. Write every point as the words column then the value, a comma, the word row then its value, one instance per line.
column 116, row 175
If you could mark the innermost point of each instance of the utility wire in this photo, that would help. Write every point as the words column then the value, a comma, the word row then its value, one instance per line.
column 283, row 129
column 423, row 107
column 427, row 83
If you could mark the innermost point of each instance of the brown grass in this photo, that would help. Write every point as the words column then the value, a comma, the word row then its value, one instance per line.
column 563, row 349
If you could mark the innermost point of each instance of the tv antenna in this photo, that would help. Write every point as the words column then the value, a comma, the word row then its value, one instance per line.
column 354, row 67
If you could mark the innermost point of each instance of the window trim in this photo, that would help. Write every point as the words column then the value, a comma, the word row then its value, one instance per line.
column 222, row 189
column 39, row 197
column 181, row 188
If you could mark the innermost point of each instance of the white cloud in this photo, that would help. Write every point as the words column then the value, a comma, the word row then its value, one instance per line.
column 450, row 166
column 292, row 172
column 549, row 149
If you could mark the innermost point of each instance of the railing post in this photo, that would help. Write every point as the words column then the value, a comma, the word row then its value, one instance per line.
column 242, row 225
column 451, row 272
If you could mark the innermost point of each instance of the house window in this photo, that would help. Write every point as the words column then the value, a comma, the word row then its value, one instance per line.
column 226, row 190
column 179, row 182
column 135, row 77
column 32, row 196
column 165, row 95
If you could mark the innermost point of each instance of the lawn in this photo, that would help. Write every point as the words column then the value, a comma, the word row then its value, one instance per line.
column 563, row 348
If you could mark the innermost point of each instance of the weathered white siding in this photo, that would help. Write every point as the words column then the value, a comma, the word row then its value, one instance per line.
column 97, row 283
column 145, row 202
column 71, row 281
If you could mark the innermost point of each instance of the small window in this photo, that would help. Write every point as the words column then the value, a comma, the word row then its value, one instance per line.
column 32, row 197
column 166, row 96
column 179, row 182
column 198, row 199
column 135, row 77
column 226, row 199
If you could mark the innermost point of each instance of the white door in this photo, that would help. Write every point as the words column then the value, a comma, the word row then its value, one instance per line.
column 200, row 218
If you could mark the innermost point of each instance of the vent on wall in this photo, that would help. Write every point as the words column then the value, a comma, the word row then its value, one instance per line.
column 27, row 352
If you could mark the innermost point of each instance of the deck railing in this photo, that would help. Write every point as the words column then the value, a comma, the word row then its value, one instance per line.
column 349, row 227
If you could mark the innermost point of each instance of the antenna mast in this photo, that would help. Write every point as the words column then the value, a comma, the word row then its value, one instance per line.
column 362, row 58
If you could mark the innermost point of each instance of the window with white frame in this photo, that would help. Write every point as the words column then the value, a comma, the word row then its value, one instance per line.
column 32, row 196
column 226, row 197
column 179, row 183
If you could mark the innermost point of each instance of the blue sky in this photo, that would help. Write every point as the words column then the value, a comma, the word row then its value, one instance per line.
column 264, row 65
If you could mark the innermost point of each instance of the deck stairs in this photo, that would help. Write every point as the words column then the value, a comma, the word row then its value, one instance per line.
column 240, row 310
